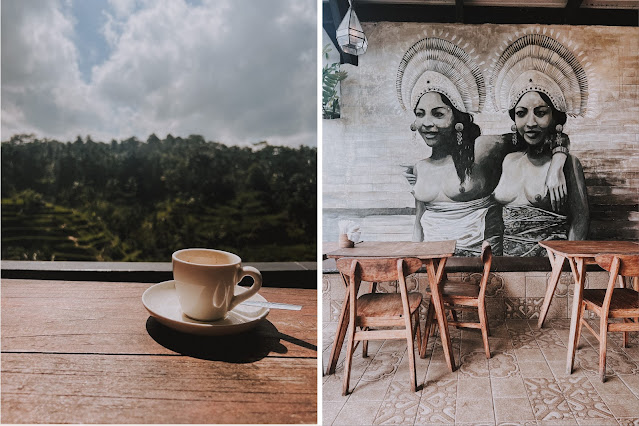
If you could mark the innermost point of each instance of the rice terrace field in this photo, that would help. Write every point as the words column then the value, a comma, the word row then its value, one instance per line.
column 140, row 201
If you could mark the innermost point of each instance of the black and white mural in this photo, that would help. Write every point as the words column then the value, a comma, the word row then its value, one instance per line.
column 471, row 183
column 514, row 187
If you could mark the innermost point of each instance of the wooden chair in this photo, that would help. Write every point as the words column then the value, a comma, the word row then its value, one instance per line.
column 612, row 303
column 374, row 310
column 458, row 296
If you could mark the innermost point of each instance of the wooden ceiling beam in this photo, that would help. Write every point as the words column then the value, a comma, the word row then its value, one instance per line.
column 419, row 12
column 570, row 11
column 459, row 11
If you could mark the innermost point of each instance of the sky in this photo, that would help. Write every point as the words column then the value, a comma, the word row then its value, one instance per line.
column 234, row 71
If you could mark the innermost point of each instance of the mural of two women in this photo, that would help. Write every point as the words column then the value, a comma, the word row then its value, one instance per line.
column 514, row 189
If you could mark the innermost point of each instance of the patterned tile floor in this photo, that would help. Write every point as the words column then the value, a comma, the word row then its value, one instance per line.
column 524, row 382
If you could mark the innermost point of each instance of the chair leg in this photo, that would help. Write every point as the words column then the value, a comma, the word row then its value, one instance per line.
column 453, row 315
column 418, row 328
column 582, row 318
column 483, row 320
column 625, row 333
column 603, row 340
column 411, row 353
column 348, row 361
column 430, row 314
column 365, row 347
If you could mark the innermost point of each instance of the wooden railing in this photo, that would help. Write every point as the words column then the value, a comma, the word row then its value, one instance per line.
column 275, row 274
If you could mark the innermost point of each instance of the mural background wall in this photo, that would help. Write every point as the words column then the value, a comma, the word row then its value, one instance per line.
column 363, row 150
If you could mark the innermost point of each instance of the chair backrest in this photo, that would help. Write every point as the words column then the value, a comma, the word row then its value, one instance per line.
column 487, row 260
column 377, row 269
column 627, row 264
column 486, row 256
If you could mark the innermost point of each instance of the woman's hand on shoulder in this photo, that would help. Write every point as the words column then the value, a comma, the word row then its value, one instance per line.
column 556, row 182
column 409, row 173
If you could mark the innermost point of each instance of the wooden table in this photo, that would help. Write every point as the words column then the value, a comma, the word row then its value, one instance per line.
column 88, row 352
column 579, row 254
column 433, row 254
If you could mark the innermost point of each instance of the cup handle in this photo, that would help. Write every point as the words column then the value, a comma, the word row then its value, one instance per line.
column 257, row 284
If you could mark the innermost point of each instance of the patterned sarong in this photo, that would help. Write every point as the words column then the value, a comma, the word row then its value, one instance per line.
column 525, row 226
column 469, row 222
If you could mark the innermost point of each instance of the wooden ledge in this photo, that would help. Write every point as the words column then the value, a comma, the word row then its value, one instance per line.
column 500, row 264
column 275, row 274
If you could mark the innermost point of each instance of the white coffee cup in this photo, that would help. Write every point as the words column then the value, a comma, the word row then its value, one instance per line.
column 205, row 281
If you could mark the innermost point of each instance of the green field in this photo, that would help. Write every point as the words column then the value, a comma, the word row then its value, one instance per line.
column 47, row 232
column 131, row 200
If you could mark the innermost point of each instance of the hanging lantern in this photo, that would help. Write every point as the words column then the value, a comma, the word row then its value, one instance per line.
column 350, row 36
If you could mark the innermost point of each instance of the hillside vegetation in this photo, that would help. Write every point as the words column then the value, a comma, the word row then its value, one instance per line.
column 140, row 201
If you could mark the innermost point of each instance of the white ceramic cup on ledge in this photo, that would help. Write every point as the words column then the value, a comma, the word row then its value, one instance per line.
column 205, row 281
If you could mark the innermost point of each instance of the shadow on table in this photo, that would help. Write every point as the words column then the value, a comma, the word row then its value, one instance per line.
column 241, row 348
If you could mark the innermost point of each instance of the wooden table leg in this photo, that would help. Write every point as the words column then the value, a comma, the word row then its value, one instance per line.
column 579, row 273
column 557, row 263
column 340, row 333
column 434, row 280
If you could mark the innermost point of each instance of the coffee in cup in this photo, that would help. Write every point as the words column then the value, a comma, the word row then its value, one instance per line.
column 205, row 281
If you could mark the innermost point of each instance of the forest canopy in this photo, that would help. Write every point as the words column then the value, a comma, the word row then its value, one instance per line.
column 133, row 200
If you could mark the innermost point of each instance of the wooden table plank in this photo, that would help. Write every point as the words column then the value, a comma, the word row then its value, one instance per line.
column 589, row 249
column 71, row 388
column 55, row 316
column 88, row 352
column 423, row 250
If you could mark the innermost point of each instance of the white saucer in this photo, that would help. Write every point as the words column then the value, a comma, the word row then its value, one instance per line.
column 162, row 302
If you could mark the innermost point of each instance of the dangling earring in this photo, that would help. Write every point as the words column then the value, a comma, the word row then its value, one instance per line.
column 413, row 126
column 459, row 127
column 514, row 129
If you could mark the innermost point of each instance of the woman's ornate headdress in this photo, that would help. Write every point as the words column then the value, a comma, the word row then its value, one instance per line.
column 536, row 62
column 437, row 65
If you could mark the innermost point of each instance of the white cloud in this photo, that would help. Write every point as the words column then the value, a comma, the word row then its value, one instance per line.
column 233, row 71
column 40, row 71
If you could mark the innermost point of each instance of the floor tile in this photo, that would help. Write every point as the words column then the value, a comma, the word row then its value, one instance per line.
column 512, row 410
column 357, row 413
column 439, row 371
column 473, row 344
column 369, row 390
column 625, row 408
column 523, row 338
column 547, row 401
column 535, row 369
column 613, row 386
column 499, row 344
column 474, row 388
column 558, row 368
column 332, row 390
column 474, row 364
column 632, row 381
column 503, row 364
column 585, row 403
column 529, row 354
column 629, row 421
column 474, row 411
column 438, row 402
column 523, row 382
column 403, row 369
column 597, row 422
column 509, row 387
column 399, row 405
column 330, row 410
